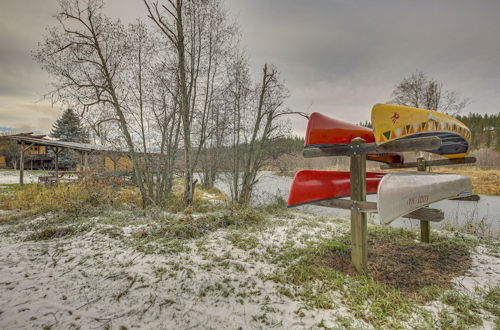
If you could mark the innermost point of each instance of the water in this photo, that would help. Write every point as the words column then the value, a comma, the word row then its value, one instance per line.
column 456, row 213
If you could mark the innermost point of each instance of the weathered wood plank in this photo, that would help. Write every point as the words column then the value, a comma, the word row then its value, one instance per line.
column 426, row 214
column 359, row 252
column 471, row 198
column 418, row 144
column 437, row 162
column 346, row 204
column 425, row 228
column 21, row 165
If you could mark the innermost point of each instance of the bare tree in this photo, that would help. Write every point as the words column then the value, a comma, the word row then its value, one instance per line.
column 420, row 91
column 110, row 70
column 199, row 32
column 169, row 18
column 256, row 126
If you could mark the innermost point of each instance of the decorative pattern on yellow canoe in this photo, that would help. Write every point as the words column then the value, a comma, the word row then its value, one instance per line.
column 396, row 121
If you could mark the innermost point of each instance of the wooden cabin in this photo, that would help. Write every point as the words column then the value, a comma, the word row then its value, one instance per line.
column 36, row 157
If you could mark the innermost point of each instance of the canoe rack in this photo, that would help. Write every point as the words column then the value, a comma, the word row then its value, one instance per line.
column 359, row 207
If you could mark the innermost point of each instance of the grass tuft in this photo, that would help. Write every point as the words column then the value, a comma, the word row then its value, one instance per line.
column 403, row 274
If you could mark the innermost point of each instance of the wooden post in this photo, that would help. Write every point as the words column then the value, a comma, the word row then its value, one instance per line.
column 56, row 164
column 425, row 228
column 359, row 253
column 82, row 173
column 85, row 165
column 21, row 166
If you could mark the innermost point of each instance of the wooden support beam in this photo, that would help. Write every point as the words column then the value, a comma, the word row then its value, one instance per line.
column 437, row 162
column 359, row 252
column 86, row 161
column 85, row 165
column 56, row 163
column 471, row 198
column 417, row 144
column 82, row 174
column 425, row 227
column 425, row 213
column 21, row 165
column 346, row 204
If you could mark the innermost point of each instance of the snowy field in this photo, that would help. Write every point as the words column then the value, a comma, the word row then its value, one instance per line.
column 93, row 280
column 99, row 279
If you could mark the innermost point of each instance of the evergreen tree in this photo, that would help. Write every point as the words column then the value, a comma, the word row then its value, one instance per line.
column 68, row 128
column 484, row 129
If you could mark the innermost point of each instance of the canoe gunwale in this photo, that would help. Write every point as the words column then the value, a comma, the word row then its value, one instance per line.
column 333, row 198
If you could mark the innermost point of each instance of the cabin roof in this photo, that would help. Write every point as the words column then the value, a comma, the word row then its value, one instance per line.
column 29, row 139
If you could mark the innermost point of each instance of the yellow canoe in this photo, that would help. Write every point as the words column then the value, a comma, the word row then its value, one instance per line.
column 391, row 122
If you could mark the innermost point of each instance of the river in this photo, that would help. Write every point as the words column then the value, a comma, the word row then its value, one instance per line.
column 485, row 212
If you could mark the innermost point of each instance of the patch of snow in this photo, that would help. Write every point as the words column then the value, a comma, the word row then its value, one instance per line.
column 484, row 274
column 12, row 177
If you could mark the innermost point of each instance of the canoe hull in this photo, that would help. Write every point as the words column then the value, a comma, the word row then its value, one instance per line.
column 314, row 186
column 393, row 122
column 402, row 193
column 325, row 132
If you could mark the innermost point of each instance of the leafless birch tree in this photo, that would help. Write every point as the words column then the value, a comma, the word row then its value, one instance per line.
column 420, row 91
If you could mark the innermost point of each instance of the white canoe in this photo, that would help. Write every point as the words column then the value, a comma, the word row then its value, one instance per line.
column 405, row 192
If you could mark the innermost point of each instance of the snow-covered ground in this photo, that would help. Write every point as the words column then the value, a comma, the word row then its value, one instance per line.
column 97, row 280
column 93, row 280
column 12, row 177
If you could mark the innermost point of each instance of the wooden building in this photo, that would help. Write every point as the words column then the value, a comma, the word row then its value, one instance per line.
column 36, row 157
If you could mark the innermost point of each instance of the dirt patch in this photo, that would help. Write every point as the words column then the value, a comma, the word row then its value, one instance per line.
column 406, row 265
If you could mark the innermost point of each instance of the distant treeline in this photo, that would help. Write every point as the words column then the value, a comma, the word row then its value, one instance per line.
column 485, row 129
column 292, row 144
column 481, row 123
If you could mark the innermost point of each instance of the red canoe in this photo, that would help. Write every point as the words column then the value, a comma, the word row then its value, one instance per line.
column 325, row 132
column 315, row 186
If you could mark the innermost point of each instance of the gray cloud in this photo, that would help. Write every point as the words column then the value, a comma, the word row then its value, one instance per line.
column 340, row 56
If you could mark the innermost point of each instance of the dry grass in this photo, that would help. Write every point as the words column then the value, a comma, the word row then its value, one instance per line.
column 77, row 198
column 72, row 198
column 486, row 182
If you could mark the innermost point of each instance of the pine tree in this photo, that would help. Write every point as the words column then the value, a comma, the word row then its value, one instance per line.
column 68, row 128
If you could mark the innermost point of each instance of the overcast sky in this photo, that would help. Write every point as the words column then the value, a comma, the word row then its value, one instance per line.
column 338, row 57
